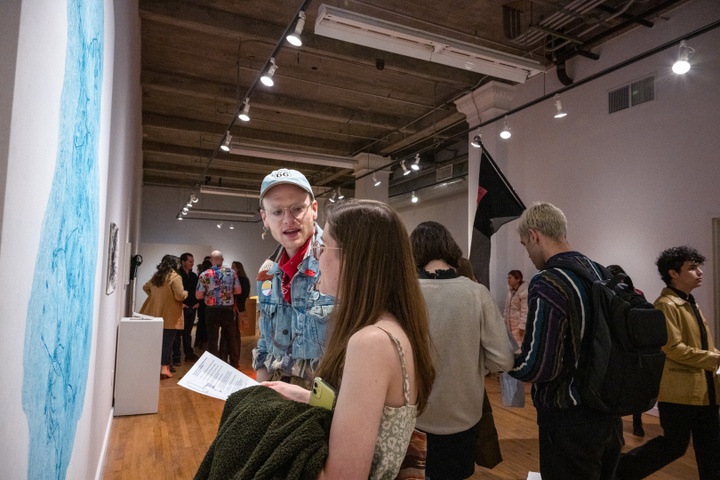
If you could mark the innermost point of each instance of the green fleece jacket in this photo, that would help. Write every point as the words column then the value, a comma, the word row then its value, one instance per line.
column 264, row 436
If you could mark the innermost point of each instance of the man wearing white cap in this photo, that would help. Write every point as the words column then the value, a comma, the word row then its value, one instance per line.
column 293, row 313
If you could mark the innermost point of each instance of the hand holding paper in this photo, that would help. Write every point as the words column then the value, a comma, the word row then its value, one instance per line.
column 215, row 378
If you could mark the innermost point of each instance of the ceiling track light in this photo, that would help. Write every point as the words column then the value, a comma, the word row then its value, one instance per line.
column 294, row 38
column 416, row 166
column 194, row 198
column 179, row 217
column 331, row 198
column 225, row 147
column 505, row 134
column 477, row 141
column 219, row 225
column 685, row 53
column 414, row 198
column 376, row 182
column 558, row 106
column 404, row 168
column 232, row 226
column 340, row 196
column 267, row 79
column 244, row 115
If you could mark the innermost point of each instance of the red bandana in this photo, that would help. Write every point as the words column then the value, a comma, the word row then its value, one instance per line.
column 289, row 266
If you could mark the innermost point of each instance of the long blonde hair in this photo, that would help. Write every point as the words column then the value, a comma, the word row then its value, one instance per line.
column 377, row 275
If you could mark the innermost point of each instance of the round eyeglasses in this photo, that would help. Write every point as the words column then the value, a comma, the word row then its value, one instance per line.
column 296, row 211
column 318, row 248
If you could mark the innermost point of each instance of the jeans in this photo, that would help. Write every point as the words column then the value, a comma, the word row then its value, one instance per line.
column 167, row 341
column 583, row 445
column 678, row 423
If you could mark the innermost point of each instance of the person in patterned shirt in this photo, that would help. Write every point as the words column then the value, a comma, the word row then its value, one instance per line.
column 216, row 286
column 575, row 440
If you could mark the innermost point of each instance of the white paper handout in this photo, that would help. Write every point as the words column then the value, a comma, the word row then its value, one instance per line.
column 215, row 378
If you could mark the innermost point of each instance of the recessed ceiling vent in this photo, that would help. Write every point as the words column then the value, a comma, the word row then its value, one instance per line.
column 444, row 173
column 631, row 95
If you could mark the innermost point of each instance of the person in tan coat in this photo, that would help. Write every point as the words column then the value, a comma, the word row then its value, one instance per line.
column 689, row 389
column 165, row 295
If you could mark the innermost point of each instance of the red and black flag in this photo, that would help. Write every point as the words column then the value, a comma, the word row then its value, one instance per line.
column 497, row 204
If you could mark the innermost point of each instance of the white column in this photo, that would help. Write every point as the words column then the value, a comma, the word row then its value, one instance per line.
column 489, row 101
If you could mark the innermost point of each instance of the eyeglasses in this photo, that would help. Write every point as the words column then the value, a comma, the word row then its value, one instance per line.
column 318, row 248
column 296, row 211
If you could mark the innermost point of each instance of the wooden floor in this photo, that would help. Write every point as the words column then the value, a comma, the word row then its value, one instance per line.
column 171, row 444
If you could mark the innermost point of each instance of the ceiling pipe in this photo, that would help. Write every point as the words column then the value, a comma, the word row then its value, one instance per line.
column 561, row 71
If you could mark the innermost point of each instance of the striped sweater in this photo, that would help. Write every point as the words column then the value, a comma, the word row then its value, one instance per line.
column 558, row 306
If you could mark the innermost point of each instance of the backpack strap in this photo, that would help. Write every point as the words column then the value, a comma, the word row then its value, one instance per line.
column 583, row 273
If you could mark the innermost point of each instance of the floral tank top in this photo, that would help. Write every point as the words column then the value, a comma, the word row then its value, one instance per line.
column 396, row 427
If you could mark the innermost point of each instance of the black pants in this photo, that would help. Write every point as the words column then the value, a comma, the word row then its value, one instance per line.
column 167, row 342
column 230, row 344
column 201, row 331
column 217, row 318
column 583, row 445
column 678, row 423
column 450, row 457
column 183, row 339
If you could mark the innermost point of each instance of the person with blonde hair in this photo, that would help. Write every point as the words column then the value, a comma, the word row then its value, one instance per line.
column 576, row 441
column 378, row 351
column 293, row 315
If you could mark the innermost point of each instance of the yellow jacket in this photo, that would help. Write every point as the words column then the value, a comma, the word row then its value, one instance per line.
column 166, row 301
column 683, row 380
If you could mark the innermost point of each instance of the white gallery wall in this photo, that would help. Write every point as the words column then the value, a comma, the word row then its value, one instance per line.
column 634, row 182
column 160, row 207
column 76, row 365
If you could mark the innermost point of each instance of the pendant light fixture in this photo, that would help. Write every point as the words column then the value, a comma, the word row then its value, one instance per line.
column 558, row 106
column 416, row 166
column 505, row 134
column 294, row 38
column 267, row 79
column 225, row 147
column 244, row 115
column 682, row 65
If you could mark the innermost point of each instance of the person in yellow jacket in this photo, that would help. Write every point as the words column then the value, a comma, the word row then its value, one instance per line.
column 689, row 389
column 165, row 295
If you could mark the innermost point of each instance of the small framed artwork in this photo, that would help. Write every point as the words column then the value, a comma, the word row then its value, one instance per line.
column 113, row 254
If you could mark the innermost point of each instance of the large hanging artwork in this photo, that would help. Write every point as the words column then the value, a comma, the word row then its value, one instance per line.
column 60, row 312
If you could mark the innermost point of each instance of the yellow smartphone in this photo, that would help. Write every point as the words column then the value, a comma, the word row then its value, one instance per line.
column 322, row 394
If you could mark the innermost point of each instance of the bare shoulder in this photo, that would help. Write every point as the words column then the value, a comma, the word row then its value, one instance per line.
column 374, row 339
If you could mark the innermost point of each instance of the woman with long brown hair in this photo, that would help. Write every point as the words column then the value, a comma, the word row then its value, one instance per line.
column 378, row 352
column 165, row 295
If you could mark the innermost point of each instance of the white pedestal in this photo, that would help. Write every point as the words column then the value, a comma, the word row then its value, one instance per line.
column 137, row 365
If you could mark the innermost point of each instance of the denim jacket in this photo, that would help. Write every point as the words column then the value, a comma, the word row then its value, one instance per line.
column 292, row 336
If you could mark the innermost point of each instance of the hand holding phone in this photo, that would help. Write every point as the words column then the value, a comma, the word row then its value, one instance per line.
column 322, row 394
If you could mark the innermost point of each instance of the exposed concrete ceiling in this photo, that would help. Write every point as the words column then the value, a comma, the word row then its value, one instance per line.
column 333, row 101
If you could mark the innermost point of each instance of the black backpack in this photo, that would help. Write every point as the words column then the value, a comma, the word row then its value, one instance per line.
column 621, row 361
